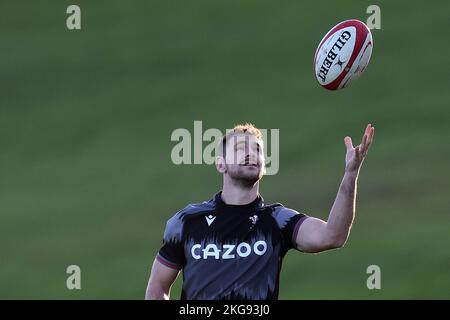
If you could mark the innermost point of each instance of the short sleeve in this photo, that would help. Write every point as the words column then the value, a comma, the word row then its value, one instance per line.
column 171, row 253
column 289, row 222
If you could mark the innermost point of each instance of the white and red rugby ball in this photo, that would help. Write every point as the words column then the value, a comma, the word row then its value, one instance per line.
column 343, row 54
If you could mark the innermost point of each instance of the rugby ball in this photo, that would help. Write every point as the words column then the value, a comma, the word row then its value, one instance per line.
column 343, row 54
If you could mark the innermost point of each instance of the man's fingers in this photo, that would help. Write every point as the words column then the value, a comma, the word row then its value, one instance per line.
column 372, row 133
column 366, row 132
column 357, row 152
column 370, row 137
column 348, row 143
column 367, row 139
column 363, row 142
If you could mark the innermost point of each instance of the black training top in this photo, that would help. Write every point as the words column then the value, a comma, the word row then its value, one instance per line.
column 230, row 251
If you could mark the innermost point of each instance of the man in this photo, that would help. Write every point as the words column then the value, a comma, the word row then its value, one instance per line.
column 232, row 246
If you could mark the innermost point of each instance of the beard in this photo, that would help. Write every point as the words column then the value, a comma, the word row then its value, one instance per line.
column 245, row 176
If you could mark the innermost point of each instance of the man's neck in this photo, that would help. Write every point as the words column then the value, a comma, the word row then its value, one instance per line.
column 237, row 195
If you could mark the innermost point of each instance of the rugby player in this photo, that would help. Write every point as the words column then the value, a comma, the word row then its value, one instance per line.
column 231, row 247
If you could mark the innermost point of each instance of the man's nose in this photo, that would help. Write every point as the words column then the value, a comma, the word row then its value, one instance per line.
column 251, row 157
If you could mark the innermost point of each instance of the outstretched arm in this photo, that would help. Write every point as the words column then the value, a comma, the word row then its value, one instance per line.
column 315, row 235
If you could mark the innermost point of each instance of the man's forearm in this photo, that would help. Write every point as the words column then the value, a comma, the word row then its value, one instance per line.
column 156, row 293
column 343, row 211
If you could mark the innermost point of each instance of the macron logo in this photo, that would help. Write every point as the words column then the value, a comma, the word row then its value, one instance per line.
column 210, row 219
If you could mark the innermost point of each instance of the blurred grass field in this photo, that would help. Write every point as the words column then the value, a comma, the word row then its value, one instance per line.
column 86, row 118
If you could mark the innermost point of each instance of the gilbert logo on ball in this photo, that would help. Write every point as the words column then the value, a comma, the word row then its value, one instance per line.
column 343, row 54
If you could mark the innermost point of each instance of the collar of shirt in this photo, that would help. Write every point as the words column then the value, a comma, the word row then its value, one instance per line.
column 222, row 206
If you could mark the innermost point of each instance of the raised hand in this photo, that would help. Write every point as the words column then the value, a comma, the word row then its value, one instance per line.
column 355, row 155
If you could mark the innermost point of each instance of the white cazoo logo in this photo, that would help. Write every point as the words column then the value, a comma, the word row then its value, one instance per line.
column 228, row 251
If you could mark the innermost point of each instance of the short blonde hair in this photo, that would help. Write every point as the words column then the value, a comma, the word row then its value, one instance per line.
column 247, row 128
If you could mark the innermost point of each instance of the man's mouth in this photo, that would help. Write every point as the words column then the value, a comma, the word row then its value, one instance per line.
column 255, row 165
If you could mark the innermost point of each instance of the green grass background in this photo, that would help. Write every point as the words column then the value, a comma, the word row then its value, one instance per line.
column 86, row 118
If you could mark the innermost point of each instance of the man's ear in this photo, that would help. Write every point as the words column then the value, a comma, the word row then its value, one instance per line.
column 220, row 164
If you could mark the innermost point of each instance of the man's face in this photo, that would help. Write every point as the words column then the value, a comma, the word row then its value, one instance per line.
column 244, row 159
